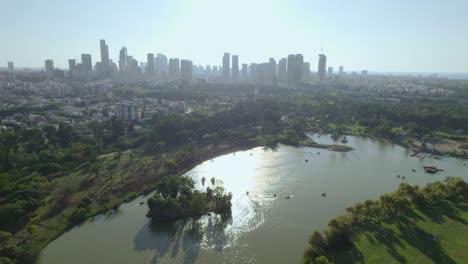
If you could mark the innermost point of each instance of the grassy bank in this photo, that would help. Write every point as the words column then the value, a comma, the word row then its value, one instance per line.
column 410, row 225
column 426, row 235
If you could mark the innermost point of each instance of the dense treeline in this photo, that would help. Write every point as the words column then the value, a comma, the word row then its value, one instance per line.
column 342, row 230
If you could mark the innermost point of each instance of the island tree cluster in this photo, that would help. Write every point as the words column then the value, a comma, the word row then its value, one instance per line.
column 176, row 198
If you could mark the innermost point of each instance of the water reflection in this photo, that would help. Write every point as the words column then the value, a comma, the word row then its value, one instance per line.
column 262, row 228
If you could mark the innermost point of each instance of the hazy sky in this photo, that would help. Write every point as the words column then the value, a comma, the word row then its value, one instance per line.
column 378, row 35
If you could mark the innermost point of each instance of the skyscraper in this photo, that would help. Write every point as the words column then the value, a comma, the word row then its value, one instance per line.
column 306, row 70
column 161, row 66
column 235, row 67
column 330, row 70
column 295, row 68
column 272, row 63
column 299, row 68
column 49, row 66
column 322, row 65
column 87, row 63
column 226, row 66
column 291, row 69
column 282, row 70
column 104, row 53
column 71, row 66
column 174, row 70
column 123, row 60
column 150, row 62
column 341, row 70
column 11, row 72
column 244, row 71
column 186, row 70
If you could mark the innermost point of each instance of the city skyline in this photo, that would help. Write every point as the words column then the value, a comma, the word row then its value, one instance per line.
column 358, row 35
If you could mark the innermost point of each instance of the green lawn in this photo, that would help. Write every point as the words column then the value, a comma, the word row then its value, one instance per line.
column 411, row 239
column 452, row 136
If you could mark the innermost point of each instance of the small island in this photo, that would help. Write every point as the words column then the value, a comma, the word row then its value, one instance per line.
column 176, row 198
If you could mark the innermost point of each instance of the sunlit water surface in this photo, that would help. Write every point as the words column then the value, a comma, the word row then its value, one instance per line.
column 262, row 229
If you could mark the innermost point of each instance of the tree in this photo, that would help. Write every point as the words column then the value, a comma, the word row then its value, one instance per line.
column 203, row 179
column 213, row 181
column 65, row 135
column 318, row 241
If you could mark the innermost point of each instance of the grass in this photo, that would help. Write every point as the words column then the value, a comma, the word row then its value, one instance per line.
column 411, row 239
column 452, row 136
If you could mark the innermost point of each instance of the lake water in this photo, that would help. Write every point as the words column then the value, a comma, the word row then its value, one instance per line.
column 262, row 229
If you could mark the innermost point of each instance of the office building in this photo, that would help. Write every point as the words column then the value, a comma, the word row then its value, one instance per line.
column 306, row 70
column 322, row 65
column 150, row 64
column 49, row 66
column 341, row 70
column 186, row 70
column 295, row 68
column 235, row 67
column 161, row 66
column 11, row 72
column 174, row 69
column 282, row 72
column 123, row 60
column 330, row 70
column 272, row 62
column 104, row 53
column 226, row 66
column 87, row 62
column 71, row 65
column 244, row 71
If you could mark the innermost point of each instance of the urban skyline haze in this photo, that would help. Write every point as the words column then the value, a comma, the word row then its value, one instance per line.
column 363, row 34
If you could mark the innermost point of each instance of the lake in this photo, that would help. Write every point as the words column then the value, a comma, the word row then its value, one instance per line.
column 262, row 229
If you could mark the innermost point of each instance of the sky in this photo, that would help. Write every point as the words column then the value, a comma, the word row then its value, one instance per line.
column 377, row 35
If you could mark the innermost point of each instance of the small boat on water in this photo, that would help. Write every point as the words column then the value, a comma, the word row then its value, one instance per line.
column 324, row 194
column 431, row 169
column 141, row 203
column 306, row 160
column 288, row 197
column 413, row 170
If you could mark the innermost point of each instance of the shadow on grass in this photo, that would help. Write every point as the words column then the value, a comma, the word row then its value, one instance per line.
column 425, row 242
column 436, row 213
column 350, row 255
column 387, row 237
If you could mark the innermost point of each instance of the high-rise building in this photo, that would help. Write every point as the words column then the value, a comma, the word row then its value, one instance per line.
column 161, row 66
column 71, row 65
column 272, row 62
column 123, row 60
column 150, row 63
column 295, row 68
column 306, row 70
column 364, row 72
column 298, row 76
column 11, row 72
column 186, row 70
column 341, row 71
column 174, row 69
column 87, row 63
column 244, row 71
column 104, row 53
column 291, row 68
column 226, row 66
column 49, row 66
column 330, row 70
column 282, row 73
column 322, row 65
column 235, row 67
